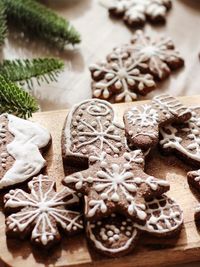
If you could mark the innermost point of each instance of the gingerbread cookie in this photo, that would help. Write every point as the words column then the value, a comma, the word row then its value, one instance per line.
column 137, row 12
column 194, row 180
column 164, row 217
column 159, row 55
column 41, row 212
column 142, row 123
column 183, row 139
column 21, row 143
column 117, row 235
column 120, row 77
column 90, row 126
column 116, row 185
column 113, row 236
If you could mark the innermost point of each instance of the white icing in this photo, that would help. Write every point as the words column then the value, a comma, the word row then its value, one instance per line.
column 137, row 10
column 44, row 208
column 143, row 116
column 170, row 216
column 123, row 75
column 112, row 234
column 100, row 131
column 113, row 180
column 171, row 138
column 170, row 106
column 156, row 53
column 29, row 137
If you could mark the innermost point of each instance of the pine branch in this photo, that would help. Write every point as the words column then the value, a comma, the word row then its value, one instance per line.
column 38, row 20
column 15, row 100
column 3, row 26
column 42, row 69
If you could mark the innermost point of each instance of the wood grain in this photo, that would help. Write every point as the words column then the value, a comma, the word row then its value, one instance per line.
column 151, row 252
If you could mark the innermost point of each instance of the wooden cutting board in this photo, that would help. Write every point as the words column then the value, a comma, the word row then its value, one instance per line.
column 74, row 251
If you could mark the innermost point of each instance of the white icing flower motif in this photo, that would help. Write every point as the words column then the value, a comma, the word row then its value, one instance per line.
column 120, row 76
column 91, row 127
column 143, row 116
column 136, row 12
column 116, row 181
column 42, row 211
column 159, row 55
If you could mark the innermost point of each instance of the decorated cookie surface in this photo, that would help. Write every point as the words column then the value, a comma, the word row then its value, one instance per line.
column 41, row 211
column 137, row 12
column 184, row 139
column 21, row 143
column 159, row 54
column 116, row 185
column 91, row 126
column 142, row 123
column 164, row 217
column 120, row 77
column 113, row 236
column 194, row 181
column 132, row 69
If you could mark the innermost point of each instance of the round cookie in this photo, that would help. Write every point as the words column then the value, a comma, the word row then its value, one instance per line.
column 114, row 236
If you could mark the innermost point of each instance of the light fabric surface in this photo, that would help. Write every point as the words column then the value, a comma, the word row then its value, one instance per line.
column 99, row 35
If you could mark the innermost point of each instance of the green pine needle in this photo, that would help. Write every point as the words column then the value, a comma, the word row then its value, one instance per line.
column 38, row 20
column 42, row 69
column 3, row 26
column 15, row 100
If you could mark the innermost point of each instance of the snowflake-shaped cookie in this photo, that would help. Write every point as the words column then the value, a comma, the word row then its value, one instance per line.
column 41, row 212
column 116, row 184
column 91, row 126
column 159, row 55
column 136, row 12
column 120, row 77
column 142, row 123
column 184, row 139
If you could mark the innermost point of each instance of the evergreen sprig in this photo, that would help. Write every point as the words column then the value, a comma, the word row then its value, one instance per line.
column 35, row 18
column 15, row 100
column 3, row 24
column 41, row 69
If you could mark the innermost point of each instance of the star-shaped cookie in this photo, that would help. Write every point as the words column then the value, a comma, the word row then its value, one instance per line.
column 116, row 185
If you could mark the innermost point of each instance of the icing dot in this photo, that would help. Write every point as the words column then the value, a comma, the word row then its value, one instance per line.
column 99, row 223
column 110, row 233
column 74, row 228
column 124, row 223
column 116, row 237
column 111, row 239
column 104, row 237
column 122, row 228
column 128, row 233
